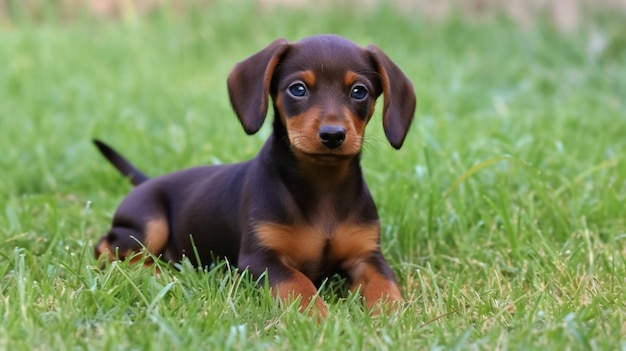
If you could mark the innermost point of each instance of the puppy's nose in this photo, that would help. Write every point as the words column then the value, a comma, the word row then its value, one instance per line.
column 332, row 136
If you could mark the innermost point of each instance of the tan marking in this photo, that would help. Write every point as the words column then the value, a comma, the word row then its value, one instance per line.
column 157, row 235
column 354, row 126
column 113, row 254
column 374, row 287
column 303, row 129
column 308, row 77
column 296, row 245
column 299, row 244
column 349, row 78
column 103, row 248
column 353, row 242
column 138, row 257
column 298, row 285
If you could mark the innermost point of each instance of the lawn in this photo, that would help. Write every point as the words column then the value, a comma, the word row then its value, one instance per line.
column 503, row 214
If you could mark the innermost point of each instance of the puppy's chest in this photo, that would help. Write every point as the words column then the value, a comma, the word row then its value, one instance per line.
column 311, row 248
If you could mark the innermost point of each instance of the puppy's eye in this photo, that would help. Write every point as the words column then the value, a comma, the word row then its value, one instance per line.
column 297, row 89
column 359, row 92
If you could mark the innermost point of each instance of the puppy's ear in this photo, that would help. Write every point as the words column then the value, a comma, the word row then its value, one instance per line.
column 398, row 94
column 249, row 85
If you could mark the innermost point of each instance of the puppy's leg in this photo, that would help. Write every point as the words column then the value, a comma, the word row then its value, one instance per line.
column 139, row 224
column 297, row 284
column 374, row 278
column 287, row 283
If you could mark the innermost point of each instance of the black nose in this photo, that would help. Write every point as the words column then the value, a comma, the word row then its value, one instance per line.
column 332, row 136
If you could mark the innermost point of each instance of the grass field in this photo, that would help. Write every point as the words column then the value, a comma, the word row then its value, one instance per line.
column 503, row 214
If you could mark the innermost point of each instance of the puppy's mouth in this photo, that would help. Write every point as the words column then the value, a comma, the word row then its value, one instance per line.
column 311, row 149
column 331, row 157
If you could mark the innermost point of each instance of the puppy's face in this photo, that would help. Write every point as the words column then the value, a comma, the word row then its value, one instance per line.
column 324, row 91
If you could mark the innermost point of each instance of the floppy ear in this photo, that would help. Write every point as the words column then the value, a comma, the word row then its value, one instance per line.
column 249, row 85
column 398, row 94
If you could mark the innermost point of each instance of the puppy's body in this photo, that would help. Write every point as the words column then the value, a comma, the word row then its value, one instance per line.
column 300, row 210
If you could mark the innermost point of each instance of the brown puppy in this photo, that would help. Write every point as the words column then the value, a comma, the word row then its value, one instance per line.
column 300, row 211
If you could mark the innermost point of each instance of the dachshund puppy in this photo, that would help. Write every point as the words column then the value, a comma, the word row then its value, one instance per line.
column 299, row 211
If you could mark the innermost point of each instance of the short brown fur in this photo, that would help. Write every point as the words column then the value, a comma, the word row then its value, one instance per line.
column 157, row 234
column 350, row 78
column 300, row 211
column 301, row 286
column 309, row 78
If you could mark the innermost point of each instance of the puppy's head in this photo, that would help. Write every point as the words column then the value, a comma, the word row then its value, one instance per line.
column 324, row 89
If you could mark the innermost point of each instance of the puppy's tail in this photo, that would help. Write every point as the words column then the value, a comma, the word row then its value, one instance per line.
column 121, row 164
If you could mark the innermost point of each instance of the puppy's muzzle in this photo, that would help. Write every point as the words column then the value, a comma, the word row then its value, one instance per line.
column 332, row 136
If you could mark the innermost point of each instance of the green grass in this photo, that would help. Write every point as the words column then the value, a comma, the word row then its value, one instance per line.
column 503, row 215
